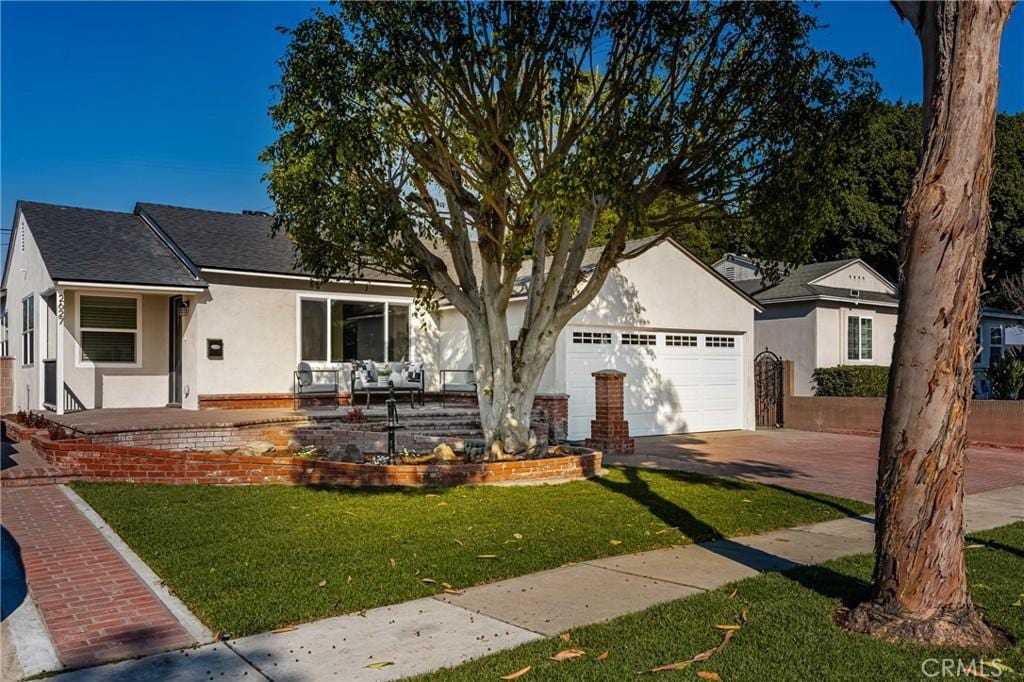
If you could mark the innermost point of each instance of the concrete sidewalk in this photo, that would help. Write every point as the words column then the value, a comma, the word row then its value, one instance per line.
column 426, row 634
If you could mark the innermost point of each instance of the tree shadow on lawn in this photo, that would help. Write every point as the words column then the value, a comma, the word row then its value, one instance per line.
column 826, row 582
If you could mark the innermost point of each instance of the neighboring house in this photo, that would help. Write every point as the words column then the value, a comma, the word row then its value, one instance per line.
column 822, row 315
column 998, row 330
column 194, row 308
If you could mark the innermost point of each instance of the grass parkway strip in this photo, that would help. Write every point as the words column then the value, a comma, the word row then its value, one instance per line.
column 251, row 559
column 786, row 631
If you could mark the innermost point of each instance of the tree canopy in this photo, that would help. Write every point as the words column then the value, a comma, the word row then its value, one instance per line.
column 450, row 143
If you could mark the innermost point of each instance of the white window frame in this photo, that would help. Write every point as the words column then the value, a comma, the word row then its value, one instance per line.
column 28, row 331
column 79, row 360
column 4, row 334
column 860, row 350
column 989, row 345
column 719, row 341
column 353, row 298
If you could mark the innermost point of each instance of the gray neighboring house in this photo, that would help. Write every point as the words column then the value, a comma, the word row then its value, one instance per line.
column 844, row 312
column 821, row 315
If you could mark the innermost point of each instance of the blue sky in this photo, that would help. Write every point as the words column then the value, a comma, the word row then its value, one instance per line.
column 106, row 104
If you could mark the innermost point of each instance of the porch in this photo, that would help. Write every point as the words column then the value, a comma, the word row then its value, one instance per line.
column 106, row 346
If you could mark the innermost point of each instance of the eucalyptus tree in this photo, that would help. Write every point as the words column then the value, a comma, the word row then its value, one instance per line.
column 920, row 579
column 472, row 148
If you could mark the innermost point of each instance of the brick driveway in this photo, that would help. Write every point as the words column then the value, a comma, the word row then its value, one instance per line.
column 831, row 463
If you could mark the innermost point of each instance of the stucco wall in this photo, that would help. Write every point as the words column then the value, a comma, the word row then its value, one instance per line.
column 27, row 275
column 662, row 289
column 257, row 318
column 832, row 339
column 144, row 386
column 788, row 330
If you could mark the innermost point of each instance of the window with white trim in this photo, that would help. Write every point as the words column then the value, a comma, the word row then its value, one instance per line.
column 995, row 345
column 28, row 330
column 342, row 330
column 858, row 338
column 108, row 328
column 593, row 338
column 688, row 340
column 634, row 339
column 719, row 341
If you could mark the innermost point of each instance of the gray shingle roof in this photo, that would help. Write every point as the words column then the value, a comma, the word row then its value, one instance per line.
column 83, row 244
column 797, row 285
column 231, row 241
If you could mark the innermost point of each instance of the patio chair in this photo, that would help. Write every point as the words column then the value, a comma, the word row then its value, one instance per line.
column 456, row 387
column 317, row 379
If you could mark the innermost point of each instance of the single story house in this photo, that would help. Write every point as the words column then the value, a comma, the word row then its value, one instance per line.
column 844, row 312
column 193, row 308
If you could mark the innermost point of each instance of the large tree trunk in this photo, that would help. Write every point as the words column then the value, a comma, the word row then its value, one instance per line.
column 920, row 582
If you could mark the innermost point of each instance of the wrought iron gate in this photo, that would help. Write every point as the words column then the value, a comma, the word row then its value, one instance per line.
column 768, row 388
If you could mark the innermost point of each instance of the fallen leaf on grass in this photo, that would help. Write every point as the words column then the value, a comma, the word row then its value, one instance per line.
column 565, row 637
column 278, row 631
column 428, row 581
column 486, row 556
column 442, row 504
column 322, row 583
column 707, row 675
column 458, row 542
column 602, row 657
column 702, row 656
column 452, row 590
column 380, row 664
column 732, row 594
column 349, row 581
column 728, row 627
column 975, row 546
column 615, row 542
column 517, row 674
column 566, row 654
column 743, row 617
column 517, row 536
column 392, row 562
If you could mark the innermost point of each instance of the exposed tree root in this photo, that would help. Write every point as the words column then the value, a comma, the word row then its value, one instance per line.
column 961, row 628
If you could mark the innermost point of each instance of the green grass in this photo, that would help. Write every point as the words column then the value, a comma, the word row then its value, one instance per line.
column 789, row 633
column 249, row 559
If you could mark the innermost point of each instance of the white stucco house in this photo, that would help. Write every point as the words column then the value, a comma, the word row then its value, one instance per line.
column 843, row 313
column 192, row 308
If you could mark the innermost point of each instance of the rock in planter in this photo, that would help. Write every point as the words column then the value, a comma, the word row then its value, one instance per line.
column 444, row 453
column 260, row 447
column 349, row 452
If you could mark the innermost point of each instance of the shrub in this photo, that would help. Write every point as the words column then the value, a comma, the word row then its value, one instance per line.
column 57, row 432
column 861, row 381
column 31, row 420
column 354, row 416
column 1006, row 375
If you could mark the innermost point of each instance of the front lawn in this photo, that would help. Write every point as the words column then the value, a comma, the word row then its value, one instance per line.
column 249, row 559
column 788, row 633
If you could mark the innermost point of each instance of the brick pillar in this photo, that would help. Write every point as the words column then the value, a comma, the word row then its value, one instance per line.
column 609, row 431
column 6, row 385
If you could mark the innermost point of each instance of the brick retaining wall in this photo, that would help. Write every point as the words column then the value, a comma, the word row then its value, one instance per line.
column 994, row 422
column 87, row 461
column 17, row 433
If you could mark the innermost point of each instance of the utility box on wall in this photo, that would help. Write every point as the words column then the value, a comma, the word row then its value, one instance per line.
column 215, row 349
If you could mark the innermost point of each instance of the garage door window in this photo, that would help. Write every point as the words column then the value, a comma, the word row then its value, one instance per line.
column 631, row 339
column 592, row 337
column 720, row 341
column 686, row 340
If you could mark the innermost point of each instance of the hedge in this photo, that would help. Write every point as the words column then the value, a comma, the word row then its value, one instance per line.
column 860, row 381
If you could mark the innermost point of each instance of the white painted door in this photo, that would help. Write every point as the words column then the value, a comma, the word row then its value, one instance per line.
column 676, row 382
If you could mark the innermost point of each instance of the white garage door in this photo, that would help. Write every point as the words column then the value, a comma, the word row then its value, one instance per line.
column 676, row 382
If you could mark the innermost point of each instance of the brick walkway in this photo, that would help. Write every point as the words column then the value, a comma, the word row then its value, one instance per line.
column 95, row 606
column 832, row 463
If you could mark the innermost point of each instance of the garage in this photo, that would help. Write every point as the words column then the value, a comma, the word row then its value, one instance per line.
column 676, row 381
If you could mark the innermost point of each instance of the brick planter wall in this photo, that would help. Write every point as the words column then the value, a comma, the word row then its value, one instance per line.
column 6, row 385
column 17, row 433
column 82, row 460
